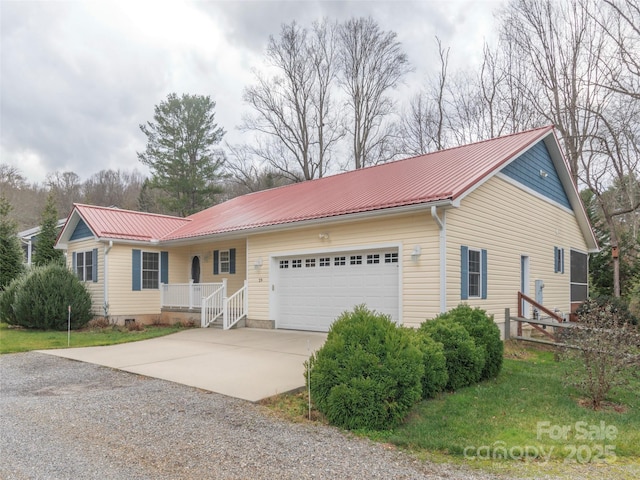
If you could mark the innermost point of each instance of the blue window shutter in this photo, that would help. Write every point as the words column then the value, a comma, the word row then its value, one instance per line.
column 555, row 260
column 94, row 258
column 464, row 272
column 562, row 260
column 484, row 274
column 136, row 265
column 232, row 260
column 164, row 267
column 216, row 257
column 73, row 263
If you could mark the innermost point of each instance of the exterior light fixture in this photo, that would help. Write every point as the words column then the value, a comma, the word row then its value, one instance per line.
column 415, row 254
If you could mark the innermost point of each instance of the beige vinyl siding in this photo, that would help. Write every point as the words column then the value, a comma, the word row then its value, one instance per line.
column 180, row 263
column 508, row 223
column 96, row 289
column 123, row 300
column 420, row 287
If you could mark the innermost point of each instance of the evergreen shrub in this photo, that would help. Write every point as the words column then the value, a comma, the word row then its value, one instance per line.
column 465, row 360
column 368, row 374
column 43, row 298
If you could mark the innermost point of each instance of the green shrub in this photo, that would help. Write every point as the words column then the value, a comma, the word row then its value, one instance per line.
column 367, row 374
column 435, row 376
column 465, row 360
column 8, row 299
column 485, row 333
column 44, row 296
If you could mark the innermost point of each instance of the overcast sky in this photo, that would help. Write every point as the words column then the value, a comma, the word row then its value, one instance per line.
column 78, row 77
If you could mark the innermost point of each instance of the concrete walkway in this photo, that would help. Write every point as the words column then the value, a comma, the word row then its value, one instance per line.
column 246, row 363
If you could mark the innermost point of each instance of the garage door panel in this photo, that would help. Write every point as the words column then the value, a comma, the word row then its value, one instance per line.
column 312, row 296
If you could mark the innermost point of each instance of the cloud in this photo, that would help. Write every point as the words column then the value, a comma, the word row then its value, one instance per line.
column 79, row 77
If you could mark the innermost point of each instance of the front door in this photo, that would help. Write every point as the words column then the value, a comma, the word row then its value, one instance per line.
column 195, row 269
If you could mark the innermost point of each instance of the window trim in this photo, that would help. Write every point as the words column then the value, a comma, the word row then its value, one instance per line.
column 222, row 263
column 142, row 269
column 82, row 265
column 465, row 273
column 476, row 274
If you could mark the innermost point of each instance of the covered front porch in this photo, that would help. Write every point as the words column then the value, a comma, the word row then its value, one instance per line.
column 215, row 303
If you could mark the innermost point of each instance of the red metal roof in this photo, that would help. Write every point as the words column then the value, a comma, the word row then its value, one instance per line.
column 114, row 223
column 442, row 175
column 438, row 176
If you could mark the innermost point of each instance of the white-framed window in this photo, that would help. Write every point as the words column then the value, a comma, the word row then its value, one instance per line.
column 325, row 261
column 355, row 260
column 475, row 273
column 391, row 257
column 339, row 261
column 224, row 261
column 373, row 258
column 150, row 270
column 297, row 263
column 310, row 262
column 84, row 266
column 284, row 264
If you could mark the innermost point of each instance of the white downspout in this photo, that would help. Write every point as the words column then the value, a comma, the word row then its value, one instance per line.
column 107, row 249
column 443, row 256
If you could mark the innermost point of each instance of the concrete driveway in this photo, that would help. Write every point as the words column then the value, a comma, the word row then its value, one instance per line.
column 246, row 363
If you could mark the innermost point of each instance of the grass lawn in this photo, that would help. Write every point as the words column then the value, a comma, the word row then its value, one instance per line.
column 21, row 340
column 525, row 422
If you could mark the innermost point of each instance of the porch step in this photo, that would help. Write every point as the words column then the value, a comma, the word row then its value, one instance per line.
column 216, row 324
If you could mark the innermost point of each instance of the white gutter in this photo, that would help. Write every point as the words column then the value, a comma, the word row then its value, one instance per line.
column 443, row 256
column 107, row 249
column 295, row 224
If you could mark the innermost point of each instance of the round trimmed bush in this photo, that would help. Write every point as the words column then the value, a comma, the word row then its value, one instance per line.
column 42, row 299
column 465, row 359
column 435, row 375
column 485, row 333
column 368, row 373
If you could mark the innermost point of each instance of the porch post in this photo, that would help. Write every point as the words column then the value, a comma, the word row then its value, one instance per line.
column 245, row 298
column 161, row 295
column 225, row 306
column 507, row 324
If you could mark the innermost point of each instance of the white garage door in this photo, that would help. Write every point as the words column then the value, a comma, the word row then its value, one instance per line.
column 312, row 291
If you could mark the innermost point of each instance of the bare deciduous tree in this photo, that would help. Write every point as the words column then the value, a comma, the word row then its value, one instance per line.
column 424, row 126
column 371, row 64
column 66, row 188
column 293, row 108
column 571, row 50
column 113, row 187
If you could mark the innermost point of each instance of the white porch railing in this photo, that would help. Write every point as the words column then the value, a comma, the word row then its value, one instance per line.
column 186, row 295
column 210, row 298
column 213, row 305
column 235, row 307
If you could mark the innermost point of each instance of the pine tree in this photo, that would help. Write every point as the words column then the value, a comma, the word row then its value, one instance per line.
column 45, row 252
column 11, row 254
column 181, row 155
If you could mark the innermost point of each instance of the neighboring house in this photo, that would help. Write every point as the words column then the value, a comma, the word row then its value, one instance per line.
column 410, row 238
column 29, row 240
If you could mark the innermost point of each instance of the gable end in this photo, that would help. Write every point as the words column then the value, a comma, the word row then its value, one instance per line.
column 535, row 170
column 81, row 231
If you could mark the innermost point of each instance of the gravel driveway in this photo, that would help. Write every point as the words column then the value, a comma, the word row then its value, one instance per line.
column 62, row 419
